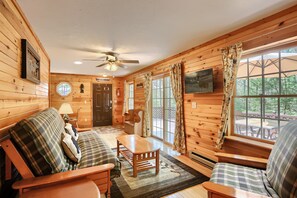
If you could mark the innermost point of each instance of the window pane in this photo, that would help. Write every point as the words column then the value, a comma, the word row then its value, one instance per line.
column 240, row 125
column 242, row 69
column 157, row 108
column 271, row 83
column 254, row 107
column 241, row 87
column 255, row 66
column 289, row 59
column 289, row 82
column 240, row 106
column 288, row 108
column 254, row 127
column 169, row 117
column 270, row 129
column 271, row 63
column 64, row 88
column 255, row 86
column 131, row 97
column 271, row 108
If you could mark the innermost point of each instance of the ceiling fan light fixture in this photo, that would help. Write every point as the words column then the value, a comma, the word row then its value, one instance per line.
column 111, row 67
column 78, row 62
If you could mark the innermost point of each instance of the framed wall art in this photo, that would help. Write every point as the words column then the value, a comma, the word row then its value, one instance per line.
column 30, row 63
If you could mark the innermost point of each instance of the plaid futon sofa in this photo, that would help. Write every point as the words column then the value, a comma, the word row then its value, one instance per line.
column 280, row 177
column 38, row 139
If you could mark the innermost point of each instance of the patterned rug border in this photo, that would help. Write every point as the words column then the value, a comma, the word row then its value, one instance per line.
column 198, row 179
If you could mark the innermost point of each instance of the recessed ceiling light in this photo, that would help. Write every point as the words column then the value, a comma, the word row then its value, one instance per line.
column 78, row 62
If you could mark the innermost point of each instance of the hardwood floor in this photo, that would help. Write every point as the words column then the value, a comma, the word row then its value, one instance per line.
column 194, row 191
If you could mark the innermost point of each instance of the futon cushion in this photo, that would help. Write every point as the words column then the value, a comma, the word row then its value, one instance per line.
column 71, row 148
column 242, row 177
column 282, row 163
column 96, row 152
column 25, row 145
column 44, row 129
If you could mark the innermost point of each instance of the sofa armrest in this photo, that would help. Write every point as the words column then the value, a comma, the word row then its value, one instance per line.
column 60, row 177
column 242, row 160
column 217, row 190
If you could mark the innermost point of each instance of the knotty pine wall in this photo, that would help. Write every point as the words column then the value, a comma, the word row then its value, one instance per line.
column 19, row 98
column 84, row 100
column 203, row 122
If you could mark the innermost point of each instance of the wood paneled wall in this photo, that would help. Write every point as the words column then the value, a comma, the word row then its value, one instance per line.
column 203, row 122
column 84, row 100
column 19, row 98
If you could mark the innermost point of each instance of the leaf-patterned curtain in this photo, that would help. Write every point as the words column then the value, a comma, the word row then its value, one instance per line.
column 126, row 96
column 147, row 94
column 179, row 143
column 231, row 58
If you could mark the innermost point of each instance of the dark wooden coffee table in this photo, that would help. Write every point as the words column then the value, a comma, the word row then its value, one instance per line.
column 138, row 152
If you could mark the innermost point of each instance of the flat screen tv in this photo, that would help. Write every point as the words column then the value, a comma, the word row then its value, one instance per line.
column 199, row 82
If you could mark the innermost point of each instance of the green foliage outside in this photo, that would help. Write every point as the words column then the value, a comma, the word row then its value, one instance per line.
column 273, row 85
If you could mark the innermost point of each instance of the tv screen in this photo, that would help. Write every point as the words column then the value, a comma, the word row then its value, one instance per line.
column 199, row 82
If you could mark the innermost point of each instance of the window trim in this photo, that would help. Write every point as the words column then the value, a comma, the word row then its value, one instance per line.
column 251, row 53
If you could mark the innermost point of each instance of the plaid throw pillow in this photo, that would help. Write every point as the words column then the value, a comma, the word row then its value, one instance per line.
column 282, row 163
column 44, row 129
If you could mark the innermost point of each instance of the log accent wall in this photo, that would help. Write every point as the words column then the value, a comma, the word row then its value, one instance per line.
column 203, row 122
column 85, row 100
column 19, row 98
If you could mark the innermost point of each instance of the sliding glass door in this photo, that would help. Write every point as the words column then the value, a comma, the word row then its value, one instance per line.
column 169, row 111
column 157, row 108
column 163, row 110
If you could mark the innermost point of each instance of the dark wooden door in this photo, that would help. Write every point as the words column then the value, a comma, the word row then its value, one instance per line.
column 102, row 104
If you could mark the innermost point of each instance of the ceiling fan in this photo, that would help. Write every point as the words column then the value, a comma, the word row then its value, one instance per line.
column 112, row 62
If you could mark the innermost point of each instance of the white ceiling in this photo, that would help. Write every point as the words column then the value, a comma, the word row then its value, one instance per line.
column 147, row 30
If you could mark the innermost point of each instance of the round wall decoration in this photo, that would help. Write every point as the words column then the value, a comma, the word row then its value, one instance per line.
column 64, row 88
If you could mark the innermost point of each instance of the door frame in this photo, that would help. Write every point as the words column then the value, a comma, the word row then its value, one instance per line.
column 112, row 96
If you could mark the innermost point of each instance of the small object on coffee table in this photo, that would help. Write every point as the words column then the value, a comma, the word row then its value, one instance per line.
column 138, row 152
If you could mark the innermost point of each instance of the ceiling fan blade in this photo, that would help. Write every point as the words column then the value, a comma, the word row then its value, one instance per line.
column 129, row 61
column 110, row 54
column 94, row 59
column 122, row 66
column 84, row 49
column 102, row 64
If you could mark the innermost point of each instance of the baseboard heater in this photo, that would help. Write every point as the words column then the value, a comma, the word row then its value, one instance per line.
column 201, row 159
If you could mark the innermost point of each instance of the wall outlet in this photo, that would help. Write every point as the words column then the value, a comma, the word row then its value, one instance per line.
column 194, row 105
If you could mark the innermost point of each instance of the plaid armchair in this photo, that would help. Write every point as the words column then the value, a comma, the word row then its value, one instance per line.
column 278, row 180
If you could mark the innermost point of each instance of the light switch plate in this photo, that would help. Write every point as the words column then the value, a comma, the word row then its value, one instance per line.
column 194, row 105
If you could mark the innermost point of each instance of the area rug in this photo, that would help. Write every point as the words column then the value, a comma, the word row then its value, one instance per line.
column 173, row 176
column 109, row 134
